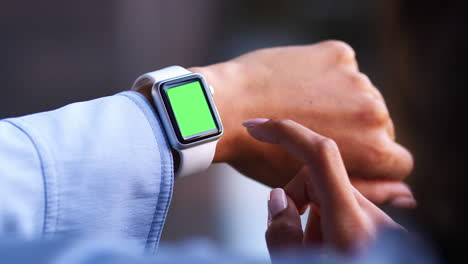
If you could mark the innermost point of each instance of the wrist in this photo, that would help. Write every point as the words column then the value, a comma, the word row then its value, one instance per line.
column 226, row 81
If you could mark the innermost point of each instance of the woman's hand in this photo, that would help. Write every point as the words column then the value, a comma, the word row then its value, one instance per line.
column 321, row 87
column 340, row 216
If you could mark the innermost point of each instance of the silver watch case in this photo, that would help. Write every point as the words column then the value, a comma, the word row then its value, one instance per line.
column 168, row 120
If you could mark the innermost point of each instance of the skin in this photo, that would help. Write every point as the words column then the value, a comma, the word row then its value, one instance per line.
column 341, row 217
column 321, row 87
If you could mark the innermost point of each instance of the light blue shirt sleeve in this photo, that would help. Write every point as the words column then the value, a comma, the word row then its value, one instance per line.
column 97, row 167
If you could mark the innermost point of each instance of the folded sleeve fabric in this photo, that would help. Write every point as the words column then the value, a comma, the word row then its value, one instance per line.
column 97, row 167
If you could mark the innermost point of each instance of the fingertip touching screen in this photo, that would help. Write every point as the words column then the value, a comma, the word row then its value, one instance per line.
column 191, row 111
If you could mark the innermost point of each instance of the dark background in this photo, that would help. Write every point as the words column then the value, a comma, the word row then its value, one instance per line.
column 57, row 52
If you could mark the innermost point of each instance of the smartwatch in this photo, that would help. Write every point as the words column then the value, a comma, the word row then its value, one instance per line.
column 184, row 103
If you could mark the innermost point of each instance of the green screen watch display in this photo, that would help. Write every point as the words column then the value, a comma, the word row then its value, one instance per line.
column 190, row 110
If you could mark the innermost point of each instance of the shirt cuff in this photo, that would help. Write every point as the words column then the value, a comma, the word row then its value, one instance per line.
column 107, row 168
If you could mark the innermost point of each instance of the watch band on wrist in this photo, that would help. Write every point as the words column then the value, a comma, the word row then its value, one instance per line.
column 197, row 153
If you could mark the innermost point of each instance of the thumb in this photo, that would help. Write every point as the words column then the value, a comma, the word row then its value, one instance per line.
column 284, row 223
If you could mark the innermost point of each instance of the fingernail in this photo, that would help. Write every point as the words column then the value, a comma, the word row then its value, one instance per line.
column 254, row 122
column 404, row 202
column 277, row 202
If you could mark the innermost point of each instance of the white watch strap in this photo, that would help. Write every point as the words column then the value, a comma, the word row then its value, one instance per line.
column 159, row 75
column 194, row 159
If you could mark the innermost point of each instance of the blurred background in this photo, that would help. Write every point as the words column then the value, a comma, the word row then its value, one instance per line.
column 57, row 52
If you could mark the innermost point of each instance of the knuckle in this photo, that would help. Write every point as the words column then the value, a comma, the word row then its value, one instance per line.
column 341, row 50
column 363, row 80
column 373, row 113
column 359, row 81
column 409, row 165
column 327, row 146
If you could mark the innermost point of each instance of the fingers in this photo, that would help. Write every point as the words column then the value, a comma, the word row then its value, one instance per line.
column 394, row 161
column 344, row 222
column 284, row 225
column 400, row 162
column 327, row 179
column 384, row 191
column 379, row 192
